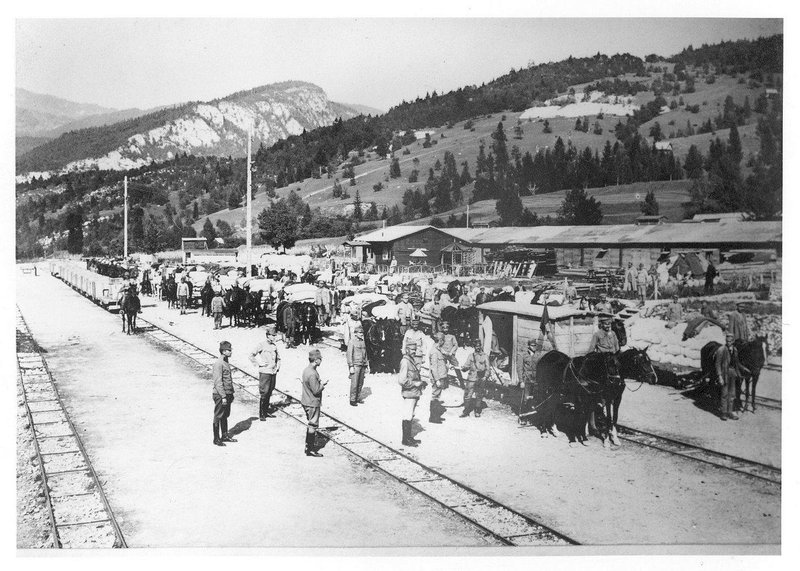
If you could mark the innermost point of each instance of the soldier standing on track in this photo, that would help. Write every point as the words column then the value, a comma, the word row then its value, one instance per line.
column 312, row 399
column 411, row 385
column 265, row 356
column 222, row 394
column 439, row 365
column 604, row 340
column 477, row 368
column 357, row 362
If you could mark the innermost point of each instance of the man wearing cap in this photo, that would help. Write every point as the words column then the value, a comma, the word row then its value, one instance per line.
column 357, row 362
column 674, row 312
column 222, row 394
column 312, row 399
column 604, row 340
column 417, row 337
column 450, row 344
column 183, row 295
column 265, row 356
column 603, row 306
column 728, row 370
column 482, row 296
column 477, row 368
column 411, row 385
column 737, row 324
column 642, row 277
column 439, row 367
column 428, row 290
column 405, row 313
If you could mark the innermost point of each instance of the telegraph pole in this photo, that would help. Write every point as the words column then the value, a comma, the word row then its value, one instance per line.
column 249, row 204
column 125, row 217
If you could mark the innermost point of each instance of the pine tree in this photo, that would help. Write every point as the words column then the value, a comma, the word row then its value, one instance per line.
column 649, row 206
column 357, row 214
column 209, row 233
column 394, row 170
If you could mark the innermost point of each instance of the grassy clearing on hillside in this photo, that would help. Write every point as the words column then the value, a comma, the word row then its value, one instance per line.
column 618, row 204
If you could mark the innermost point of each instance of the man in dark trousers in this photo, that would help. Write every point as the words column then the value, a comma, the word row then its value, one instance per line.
column 439, row 363
column 312, row 399
column 711, row 273
column 357, row 362
column 411, row 385
column 728, row 370
column 477, row 369
column 265, row 356
column 222, row 394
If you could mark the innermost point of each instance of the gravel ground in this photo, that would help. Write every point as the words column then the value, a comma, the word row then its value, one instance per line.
column 625, row 496
column 144, row 415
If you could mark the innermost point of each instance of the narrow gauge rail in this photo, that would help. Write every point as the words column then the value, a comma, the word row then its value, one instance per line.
column 506, row 525
column 78, row 509
column 700, row 454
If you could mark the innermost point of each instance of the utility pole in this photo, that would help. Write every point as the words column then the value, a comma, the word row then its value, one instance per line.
column 125, row 218
column 467, row 215
column 249, row 204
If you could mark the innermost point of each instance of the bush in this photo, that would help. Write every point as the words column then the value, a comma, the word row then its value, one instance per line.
column 468, row 124
column 377, row 187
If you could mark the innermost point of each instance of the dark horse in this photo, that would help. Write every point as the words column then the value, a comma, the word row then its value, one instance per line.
column 583, row 384
column 752, row 356
column 305, row 314
column 232, row 303
column 206, row 295
column 128, row 308
column 463, row 323
column 286, row 322
column 384, row 345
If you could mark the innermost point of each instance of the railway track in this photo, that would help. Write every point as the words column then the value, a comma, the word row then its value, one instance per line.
column 505, row 525
column 700, row 454
column 78, row 509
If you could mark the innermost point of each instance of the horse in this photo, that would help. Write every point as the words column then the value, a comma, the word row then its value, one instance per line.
column 171, row 292
column 306, row 320
column 252, row 307
column 129, row 307
column 206, row 295
column 583, row 384
column 232, row 303
column 384, row 345
column 147, row 287
column 752, row 356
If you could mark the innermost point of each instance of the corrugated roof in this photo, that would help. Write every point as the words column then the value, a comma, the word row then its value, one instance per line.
column 725, row 231
column 531, row 310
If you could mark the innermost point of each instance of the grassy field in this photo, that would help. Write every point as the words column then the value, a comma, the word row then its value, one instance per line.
column 619, row 203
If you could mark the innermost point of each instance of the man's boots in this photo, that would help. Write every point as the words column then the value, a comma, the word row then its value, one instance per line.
column 436, row 412
column 225, row 436
column 469, row 404
column 311, row 445
column 407, row 440
column 217, row 440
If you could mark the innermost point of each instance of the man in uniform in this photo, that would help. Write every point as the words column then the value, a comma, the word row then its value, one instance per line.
column 534, row 392
column 222, row 394
column 439, row 363
column 450, row 344
column 630, row 278
column 737, row 324
column 357, row 362
column 405, row 313
column 216, row 309
column 604, row 340
column 428, row 290
column 482, row 296
column 265, row 356
column 603, row 306
column 312, row 399
column 477, row 368
column 414, row 336
column 728, row 370
column 411, row 385
column 642, row 277
column 464, row 300
column 674, row 312
column 183, row 295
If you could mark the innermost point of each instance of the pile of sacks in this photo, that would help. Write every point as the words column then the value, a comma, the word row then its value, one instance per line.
column 666, row 345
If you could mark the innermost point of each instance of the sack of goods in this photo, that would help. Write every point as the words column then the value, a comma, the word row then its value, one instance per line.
column 301, row 292
column 666, row 345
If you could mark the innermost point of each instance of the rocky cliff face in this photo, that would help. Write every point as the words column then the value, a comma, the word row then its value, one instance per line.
column 220, row 127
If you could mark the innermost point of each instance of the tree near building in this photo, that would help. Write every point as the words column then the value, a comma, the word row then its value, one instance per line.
column 278, row 225
column 209, row 233
column 357, row 214
column 580, row 209
column 74, row 224
column 649, row 206
column 394, row 169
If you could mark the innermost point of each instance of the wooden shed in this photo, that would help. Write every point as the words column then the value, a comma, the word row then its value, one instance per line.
column 517, row 323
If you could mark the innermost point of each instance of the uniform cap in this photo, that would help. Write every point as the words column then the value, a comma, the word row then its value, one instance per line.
column 225, row 345
column 314, row 354
column 271, row 330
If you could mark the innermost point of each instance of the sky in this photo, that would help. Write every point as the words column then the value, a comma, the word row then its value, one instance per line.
column 146, row 62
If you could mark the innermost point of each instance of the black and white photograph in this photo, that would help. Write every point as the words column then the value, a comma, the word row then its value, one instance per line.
column 441, row 284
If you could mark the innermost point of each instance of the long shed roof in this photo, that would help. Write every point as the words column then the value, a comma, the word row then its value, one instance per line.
column 723, row 232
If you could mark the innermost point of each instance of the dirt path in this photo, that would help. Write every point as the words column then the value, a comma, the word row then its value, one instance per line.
column 144, row 415
column 651, row 497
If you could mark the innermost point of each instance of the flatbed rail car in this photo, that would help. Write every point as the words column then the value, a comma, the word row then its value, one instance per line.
column 103, row 290
column 514, row 324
